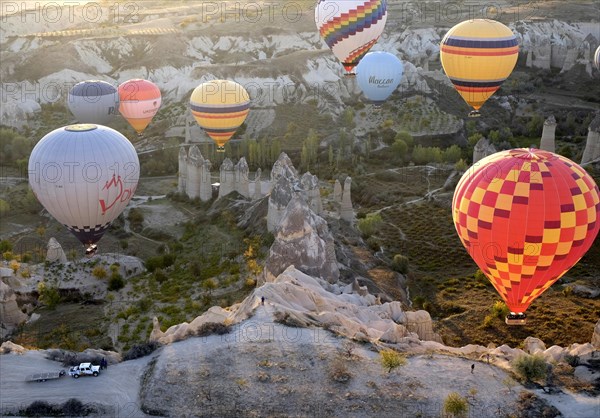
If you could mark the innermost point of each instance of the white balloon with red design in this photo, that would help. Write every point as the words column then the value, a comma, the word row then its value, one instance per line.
column 84, row 175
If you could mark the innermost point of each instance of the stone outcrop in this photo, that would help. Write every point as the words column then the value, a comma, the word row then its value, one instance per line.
column 283, row 167
column 194, row 174
column 54, row 252
column 547, row 142
column 346, row 210
column 281, row 194
column 310, row 184
column 241, row 182
column 10, row 314
column 592, row 145
column 302, row 239
column 257, row 185
column 534, row 345
column 337, row 192
column 156, row 333
column 227, row 176
column 482, row 149
column 596, row 336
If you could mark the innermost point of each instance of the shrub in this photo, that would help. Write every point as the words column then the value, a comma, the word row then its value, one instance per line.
column 571, row 360
column 499, row 309
column 73, row 408
column 5, row 246
column 370, row 224
column 39, row 409
column 99, row 272
column 530, row 367
column 116, row 282
column 391, row 359
column 455, row 405
column 210, row 328
column 141, row 350
column 49, row 295
column 338, row 371
column 400, row 263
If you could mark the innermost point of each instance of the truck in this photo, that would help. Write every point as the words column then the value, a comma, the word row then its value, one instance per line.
column 84, row 369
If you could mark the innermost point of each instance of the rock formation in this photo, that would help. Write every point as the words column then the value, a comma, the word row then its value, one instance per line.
column 283, row 167
column 596, row 336
column 281, row 194
column 227, row 175
column 241, row 182
column 310, row 184
column 182, row 179
column 257, row 185
column 592, row 145
column 337, row 192
column 346, row 211
column 547, row 142
column 303, row 240
column 10, row 314
column 55, row 252
column 194, row 174
column 156, row 333
column 482, row 149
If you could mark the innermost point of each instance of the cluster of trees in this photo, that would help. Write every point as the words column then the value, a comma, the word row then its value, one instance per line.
column 14, row 149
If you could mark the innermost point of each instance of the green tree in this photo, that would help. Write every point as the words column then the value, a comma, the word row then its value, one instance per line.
column 456, row 405
column 461, row 166
column 452, row 154
column 347, row 118
column 534, row 126
column 370, row 224
column 5, row 245
column 209, row 285
column 48, row 295
column 4, row 207
column 406, row 137
column 399, row 148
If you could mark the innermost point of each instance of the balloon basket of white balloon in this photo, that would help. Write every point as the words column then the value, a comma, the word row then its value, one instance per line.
column 220, row 149
column 91, row 250
column 516, row 319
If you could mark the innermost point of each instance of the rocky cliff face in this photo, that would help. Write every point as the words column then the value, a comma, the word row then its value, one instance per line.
column 10, row 314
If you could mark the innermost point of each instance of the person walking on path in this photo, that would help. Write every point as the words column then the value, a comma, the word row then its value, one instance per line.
column 472, row 367
column 262, row 300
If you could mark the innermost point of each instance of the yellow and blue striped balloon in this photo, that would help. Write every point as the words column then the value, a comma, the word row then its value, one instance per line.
column 477, row 56
column 220, row 107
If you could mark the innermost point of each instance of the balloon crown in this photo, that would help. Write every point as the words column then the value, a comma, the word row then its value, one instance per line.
column 81, row 127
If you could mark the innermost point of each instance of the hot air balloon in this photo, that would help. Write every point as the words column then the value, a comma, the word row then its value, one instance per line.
column 350, row 28
column 220, row 107
column 477, row 56
column 93, row 101
column 526, row 216
column 84, row 175
column 597, row 58
column 139, row 102
column 378, row 74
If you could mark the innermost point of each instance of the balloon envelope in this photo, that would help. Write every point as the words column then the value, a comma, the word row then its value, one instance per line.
column 597, row 58
column 477, row 56
column 139, row 102
column 378, row 74
column 350, row 28
column 526, row 216
column 220, row 107
column 84, row 175
column 93, row 101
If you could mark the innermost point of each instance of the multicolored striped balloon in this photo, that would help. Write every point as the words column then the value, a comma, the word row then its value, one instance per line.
column 350, row 28
column 220, row 107
column 597, row 58
column 139, row 102
column 477, row 56
column 526, row 216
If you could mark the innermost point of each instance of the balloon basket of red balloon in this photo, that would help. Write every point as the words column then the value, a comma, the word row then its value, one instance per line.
column 516, row 319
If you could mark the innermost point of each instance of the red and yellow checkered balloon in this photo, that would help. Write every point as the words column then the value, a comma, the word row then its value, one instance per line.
column 526, row 216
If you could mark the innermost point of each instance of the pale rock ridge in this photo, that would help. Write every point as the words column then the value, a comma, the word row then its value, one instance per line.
column 241, row 182
column 227, row 176
column 257, row 185
column 337, row 192
column 346, row 210
column 10, row 314
column 310, row 184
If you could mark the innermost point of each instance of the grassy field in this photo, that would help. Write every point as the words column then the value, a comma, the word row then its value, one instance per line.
column 442, row 277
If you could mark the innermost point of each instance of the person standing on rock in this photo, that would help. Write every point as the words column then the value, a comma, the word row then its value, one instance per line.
column 472, row 367
column 262, row 300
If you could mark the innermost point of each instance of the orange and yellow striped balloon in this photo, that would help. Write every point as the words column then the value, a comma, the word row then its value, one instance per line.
column 220, row 107
column 139, row 101
column 477, row 56
column 526, row 216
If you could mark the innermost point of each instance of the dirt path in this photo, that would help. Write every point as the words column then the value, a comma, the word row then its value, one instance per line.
column 117, row 387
